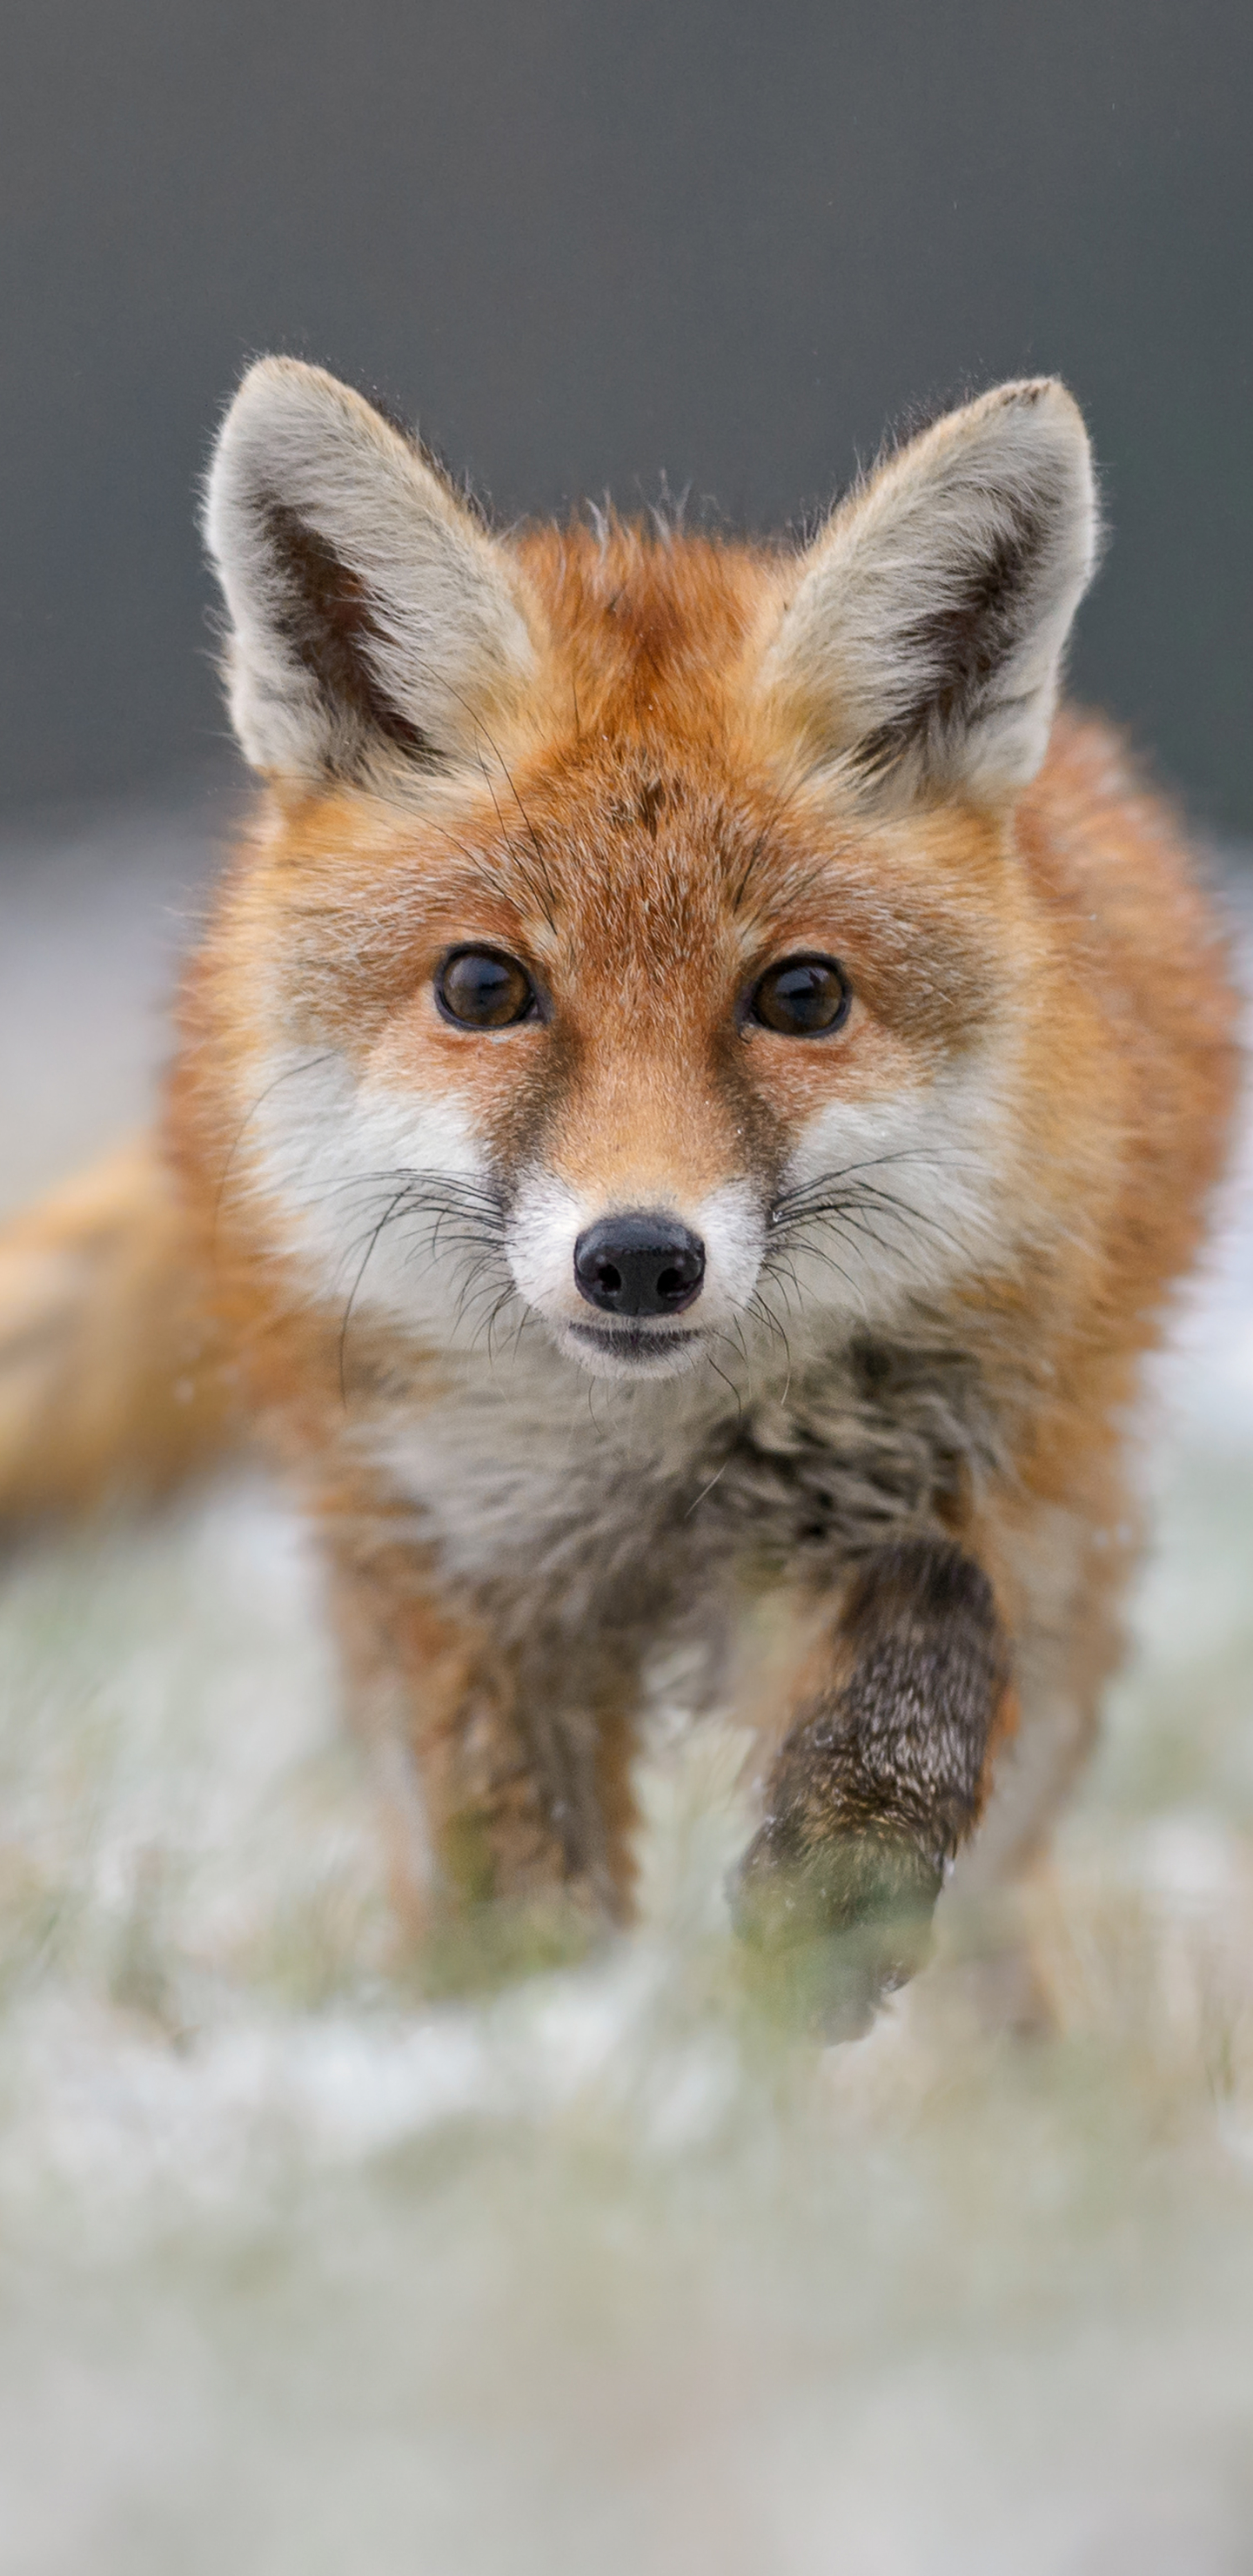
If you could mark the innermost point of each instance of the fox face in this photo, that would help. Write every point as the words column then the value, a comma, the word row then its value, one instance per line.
column 644, row 965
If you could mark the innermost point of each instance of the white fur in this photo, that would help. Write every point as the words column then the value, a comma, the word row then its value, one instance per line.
column 330, row 1156
column 547, row 1220
column 452, row 639
column 858, row 646
column 939, row 1151
column 530, row 1468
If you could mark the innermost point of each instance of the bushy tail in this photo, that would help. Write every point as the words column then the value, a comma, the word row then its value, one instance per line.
column 108, row 1387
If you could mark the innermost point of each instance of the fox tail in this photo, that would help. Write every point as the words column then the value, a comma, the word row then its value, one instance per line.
column 109, row 1386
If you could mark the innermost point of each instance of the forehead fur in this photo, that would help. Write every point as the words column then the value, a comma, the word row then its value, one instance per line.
column 653, row 632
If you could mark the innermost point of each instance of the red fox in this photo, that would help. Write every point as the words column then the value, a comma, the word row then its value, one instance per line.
column 698, row 1082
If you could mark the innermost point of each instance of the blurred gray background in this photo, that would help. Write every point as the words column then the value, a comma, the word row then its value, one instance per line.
column 591, row 246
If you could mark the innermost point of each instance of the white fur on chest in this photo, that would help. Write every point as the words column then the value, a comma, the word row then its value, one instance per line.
column 530, row 1472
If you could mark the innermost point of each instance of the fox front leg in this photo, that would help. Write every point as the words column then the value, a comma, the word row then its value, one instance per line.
column 504, row 1772
column 878, row 1782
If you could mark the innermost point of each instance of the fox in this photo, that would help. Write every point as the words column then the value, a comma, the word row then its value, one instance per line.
column 698, row 1086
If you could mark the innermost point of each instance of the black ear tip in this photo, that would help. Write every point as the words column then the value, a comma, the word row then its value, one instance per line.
column 1057, row 419
column 1028, row 391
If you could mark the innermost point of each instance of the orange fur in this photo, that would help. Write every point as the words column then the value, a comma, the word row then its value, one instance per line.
column 112, row 1387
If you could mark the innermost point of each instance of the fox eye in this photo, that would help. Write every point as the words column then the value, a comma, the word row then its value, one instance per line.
column 801, row 997
column 480, row 988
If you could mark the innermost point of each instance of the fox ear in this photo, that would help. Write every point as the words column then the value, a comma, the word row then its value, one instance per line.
column 923, row 644
column 375, row 627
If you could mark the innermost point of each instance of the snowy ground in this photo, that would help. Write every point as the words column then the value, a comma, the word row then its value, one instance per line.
column 301, row 2276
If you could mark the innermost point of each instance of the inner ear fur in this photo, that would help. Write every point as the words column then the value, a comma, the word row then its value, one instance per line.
column 921, row 649
column 375, row 627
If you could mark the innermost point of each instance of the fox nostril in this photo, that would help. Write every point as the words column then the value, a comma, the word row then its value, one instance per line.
column 639, row 1263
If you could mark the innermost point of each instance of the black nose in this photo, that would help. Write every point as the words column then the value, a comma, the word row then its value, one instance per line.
column 639, row 1264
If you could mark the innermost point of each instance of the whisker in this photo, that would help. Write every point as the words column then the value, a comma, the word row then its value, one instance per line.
column 475, row 1290
column 343, row 1330
column 718, row 1333
column 832, row 1180
column 778, row 1261
column 498, row 1309
column 708, row 1489
column 757, row 1306
column 850, row 1221
column 880, row 1202
column 817, row 1253
column 732, row 1389
column 431, row 1189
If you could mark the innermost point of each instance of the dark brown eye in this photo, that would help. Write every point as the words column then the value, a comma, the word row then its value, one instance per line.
column 479, row 988
column 801, row 997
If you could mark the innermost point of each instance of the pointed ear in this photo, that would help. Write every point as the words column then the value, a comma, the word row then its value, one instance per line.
column 375, row 627
column 922, row 646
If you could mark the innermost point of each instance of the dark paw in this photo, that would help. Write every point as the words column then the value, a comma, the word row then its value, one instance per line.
column 839, row 1927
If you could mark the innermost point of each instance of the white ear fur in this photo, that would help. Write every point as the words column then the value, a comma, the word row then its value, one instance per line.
column 374, row 625
column 922, row 647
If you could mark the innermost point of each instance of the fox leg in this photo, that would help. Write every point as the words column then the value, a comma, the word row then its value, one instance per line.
column 505, row 1773
column 880, row 1778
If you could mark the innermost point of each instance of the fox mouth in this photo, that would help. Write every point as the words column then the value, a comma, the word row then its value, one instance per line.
column 630, row 1350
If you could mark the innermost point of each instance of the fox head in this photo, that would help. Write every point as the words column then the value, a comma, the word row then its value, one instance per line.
column 633, row 946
